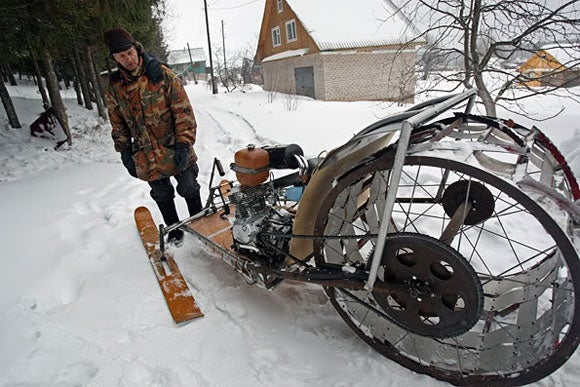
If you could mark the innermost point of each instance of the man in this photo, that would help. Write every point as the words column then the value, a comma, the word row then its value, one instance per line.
column 154, row 126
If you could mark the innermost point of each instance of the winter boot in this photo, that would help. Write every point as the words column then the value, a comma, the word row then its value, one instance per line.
column 175, row 238
column 169, row 213
column 194, row 204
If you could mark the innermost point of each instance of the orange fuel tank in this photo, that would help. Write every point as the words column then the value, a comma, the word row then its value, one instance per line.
column 251, row 165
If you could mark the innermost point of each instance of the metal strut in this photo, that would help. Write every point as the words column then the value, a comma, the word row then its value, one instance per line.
column 402, row 147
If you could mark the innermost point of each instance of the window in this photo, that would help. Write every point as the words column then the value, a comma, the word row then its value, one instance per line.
column 276, row 39
column 279, row 3
column 291, row 30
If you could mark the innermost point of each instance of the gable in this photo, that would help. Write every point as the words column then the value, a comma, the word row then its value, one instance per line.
column 271, row 19
column 329, row 25
column 553, row 57
column 541, row 60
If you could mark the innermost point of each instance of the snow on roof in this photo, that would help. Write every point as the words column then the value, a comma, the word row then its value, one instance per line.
column 182, row 56
column 568, row 55
column 286, row 54
column 343, row 24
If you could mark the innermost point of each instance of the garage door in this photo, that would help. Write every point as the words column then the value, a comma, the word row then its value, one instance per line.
column 304, row 77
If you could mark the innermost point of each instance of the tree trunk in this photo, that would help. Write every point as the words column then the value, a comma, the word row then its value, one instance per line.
column 38, row 77
column 8, row 106
column 485, row 96
column 65, row 77
column 76, row 83
column 53, row 91
column 4, row 74
column 94, row 81
column 10, row 75
column 100, row 84
column 83, row 80
column 86, row 65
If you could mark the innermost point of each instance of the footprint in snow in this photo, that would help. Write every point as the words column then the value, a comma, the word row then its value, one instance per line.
column 75, row 374
column 139, row 374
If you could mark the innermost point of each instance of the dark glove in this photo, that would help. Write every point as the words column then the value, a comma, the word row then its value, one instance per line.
column 127, row 159
column 181, row 156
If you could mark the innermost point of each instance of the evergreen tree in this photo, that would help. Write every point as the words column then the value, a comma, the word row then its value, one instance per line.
column 50, row 30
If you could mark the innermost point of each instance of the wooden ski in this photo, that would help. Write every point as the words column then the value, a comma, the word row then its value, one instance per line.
column 179, row 299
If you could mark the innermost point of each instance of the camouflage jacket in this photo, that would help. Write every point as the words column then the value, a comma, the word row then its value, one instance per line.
column 150, row 113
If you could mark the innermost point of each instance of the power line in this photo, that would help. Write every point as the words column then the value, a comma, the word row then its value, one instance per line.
column 237, row 6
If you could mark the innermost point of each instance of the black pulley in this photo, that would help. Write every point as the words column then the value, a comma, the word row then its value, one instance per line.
column 469, row 192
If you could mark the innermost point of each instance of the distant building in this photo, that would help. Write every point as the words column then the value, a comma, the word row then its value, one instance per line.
column 180, row 63
column 553, row 66
column 328, row 50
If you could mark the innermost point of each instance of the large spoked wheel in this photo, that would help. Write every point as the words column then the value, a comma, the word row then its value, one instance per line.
column 465, row 244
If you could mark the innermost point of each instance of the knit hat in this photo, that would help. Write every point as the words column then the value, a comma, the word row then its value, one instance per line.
column 118, row 40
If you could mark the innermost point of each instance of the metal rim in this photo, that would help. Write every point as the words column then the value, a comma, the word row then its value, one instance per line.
column 490, row 352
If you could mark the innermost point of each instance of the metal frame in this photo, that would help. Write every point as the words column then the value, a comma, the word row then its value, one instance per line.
column 402, row 146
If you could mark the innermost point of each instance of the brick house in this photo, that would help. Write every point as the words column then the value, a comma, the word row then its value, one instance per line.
column 334, row 51
column 552, row 65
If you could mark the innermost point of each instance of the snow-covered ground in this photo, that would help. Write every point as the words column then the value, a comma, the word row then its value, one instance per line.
column 79, row 304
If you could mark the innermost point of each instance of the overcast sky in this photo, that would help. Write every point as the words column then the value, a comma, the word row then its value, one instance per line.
column 185, row 23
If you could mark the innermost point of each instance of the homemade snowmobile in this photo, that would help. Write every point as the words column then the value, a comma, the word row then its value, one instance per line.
column 444, row 239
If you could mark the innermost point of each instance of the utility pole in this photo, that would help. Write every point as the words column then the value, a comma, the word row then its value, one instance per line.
column 191, row 62
column 224, row 46
column 213, row 84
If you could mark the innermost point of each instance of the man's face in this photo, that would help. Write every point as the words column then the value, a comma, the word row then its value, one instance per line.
column 129, row 59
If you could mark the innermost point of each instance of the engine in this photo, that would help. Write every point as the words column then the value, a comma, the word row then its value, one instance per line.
column 261, row 229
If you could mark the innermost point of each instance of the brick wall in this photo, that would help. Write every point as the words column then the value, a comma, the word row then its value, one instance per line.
column 369, row 76
column 279, row 74
column 381, row 75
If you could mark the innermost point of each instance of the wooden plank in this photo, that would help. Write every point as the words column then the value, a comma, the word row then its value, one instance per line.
column 217, row 228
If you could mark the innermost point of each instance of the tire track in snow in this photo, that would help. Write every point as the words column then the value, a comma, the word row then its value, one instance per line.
column 220, row 134
column 233, row 130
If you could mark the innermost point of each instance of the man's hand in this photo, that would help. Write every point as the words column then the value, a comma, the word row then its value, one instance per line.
column 181, row 156
column 127, row 159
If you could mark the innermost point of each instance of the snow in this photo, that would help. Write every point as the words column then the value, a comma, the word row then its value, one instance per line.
column 182, row 56
column 338, row 24
column 79, row 303
column 286, row 54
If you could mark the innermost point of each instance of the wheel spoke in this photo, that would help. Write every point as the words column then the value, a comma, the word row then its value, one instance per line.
column 528, row 288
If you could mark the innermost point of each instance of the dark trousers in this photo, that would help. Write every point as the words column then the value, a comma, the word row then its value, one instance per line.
column 187, row 186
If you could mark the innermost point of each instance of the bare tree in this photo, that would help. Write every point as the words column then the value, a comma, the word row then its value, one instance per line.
column 231, row 70
column 482, row 32
column 226, row 70
column 290, row 102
